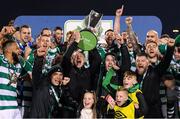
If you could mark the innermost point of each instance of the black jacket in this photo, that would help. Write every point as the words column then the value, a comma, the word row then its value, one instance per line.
column 84, row 78
column 44, row 104
column 151, row 84
column 118, row 79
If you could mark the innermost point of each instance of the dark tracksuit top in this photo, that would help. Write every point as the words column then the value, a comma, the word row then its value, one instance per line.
column 84, row 78
column 44, row 104
column 150, row 85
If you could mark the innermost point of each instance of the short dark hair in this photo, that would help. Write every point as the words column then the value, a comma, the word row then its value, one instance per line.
column 24, row 26
column 142, row 54
column 7, row 43
column 130, row 73
column 112, row 54
column 57, row 28
column 44, row 29
column 108, row 31
column 167, row 76
column 165, row 36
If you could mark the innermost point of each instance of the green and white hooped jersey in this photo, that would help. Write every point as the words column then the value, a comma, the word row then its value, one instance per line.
column 132, row 59
column 8, row 94
column 133, row 62
column 49, row 59
column 174, row 68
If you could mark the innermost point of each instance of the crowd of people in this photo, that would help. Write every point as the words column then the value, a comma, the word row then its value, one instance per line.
column 122, row 78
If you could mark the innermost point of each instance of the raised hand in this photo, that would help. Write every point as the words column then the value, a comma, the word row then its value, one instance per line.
column 128, row 20
column 7, row 30
column 65, row 80
column 77, row 36
column 41, row 52
column 119, row 11
column 171, row 42
column 27, row 51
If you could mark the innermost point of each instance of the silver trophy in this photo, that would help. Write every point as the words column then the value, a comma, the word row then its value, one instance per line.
column 93, row 19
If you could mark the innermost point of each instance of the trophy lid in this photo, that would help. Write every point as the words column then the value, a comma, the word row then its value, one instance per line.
column 93, row 19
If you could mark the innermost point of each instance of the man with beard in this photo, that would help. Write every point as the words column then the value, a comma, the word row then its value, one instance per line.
column 81, row 78
column 152, row 35
column 10, row 70
column 152, row 52
column 112, row 44
column 58, row 36
column 4, row 31
column 149, row 79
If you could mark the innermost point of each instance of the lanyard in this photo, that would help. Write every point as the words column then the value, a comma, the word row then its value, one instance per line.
column 142, row 80
column 55, row 95
column 22, row 47
column 57, row 100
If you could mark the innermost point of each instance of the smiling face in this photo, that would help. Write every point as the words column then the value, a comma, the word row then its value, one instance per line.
column 78, row 59
column 109, row 37
column 152, row 35
column 25, row 34
column 88, row 100
column 152, row 49
column 109, row 61
column 142, row 64
column 58, row 34
column 56, row 78
column 121, row 97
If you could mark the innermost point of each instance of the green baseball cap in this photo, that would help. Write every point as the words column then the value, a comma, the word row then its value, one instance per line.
column 88, row 40
column 177, row 39
column 162, row 49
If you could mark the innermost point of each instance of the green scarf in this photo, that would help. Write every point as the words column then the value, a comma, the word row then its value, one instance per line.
column 107, row 80
column 134, row 88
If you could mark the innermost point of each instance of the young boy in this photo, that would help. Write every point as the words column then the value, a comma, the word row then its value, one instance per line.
column 122, row 107
column 130, row 83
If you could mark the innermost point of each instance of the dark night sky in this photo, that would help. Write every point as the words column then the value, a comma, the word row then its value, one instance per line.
column 167, row 10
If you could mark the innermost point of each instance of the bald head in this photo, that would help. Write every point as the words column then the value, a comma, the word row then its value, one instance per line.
column 152, row 35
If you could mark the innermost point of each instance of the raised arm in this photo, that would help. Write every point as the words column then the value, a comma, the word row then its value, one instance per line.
column 117, row 20
column 164, row 64
column 66, row 62
column 37, row 67
column 95, row 61
column 131, row 35
column 126, row 62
